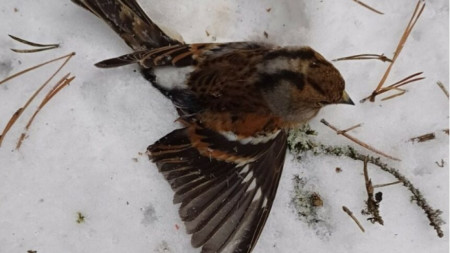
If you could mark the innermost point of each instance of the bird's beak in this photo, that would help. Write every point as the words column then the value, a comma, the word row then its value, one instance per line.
column 346, row 99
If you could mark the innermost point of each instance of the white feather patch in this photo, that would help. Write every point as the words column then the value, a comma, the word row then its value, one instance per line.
column 172, row 78
column 252, row 139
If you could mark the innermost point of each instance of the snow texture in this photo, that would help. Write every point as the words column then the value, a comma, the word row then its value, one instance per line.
column 82, row 152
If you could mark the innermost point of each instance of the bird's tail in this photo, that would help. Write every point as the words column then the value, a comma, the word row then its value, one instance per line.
column 128, row 20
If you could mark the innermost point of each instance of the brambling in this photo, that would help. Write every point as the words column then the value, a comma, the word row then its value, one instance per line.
column 235, row 105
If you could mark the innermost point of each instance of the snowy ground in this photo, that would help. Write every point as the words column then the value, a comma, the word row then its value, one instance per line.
column 82, row 153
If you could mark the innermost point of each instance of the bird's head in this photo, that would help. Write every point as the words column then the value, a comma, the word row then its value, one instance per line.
column 297, row 82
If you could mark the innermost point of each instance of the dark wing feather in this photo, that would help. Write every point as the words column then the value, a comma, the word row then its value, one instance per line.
column 181, row 55
column 128, row 20
column 224, row 204
column 163, row 56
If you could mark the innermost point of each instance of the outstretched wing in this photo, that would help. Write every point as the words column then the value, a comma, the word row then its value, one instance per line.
column 226, row 186
column 128, row 20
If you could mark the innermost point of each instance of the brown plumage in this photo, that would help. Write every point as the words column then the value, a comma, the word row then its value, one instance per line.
column 235, row 105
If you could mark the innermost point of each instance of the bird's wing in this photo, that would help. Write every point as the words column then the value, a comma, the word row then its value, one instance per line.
column 181, row 55
column 128, row 20
column 226, row 186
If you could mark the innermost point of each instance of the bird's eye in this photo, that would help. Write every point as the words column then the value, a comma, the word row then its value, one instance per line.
column 314, row 64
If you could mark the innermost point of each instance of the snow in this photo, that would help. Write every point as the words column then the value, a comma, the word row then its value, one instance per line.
column 82, row 152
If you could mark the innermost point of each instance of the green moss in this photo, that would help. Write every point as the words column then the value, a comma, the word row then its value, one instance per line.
column 302, row 201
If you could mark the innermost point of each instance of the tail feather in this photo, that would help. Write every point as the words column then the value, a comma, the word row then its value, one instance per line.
column 128, row 19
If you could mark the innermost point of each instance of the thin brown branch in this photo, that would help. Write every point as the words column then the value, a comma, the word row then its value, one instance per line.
column 372, row 207
column 388, row 184
column 349, row 129
column 368, row 7
column 295, row 146
column 432, row 214
column 355, row 140
column 22, row 109
column 441, row 85
column 346, row 210
column 380, row 57
column 416, row 14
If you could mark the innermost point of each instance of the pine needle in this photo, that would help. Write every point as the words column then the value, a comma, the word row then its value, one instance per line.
column 368, row 7
column 416, row 14
column 441, row 85
column 19, row 112
column 63, row 82
column 42, row 47
column 396, row 86
column 380, row 57
column 35, row 67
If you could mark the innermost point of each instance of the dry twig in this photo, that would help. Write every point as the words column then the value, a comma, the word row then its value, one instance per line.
column 416, row 14
column 388, row 184
column 372, row 205
column 353, row 217
column 358, row 141
column 433, row 215
column 299, row 143
column 368, row 7
column 349, row 129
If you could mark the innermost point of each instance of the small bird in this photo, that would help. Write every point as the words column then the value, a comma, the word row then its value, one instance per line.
column 235, row 105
